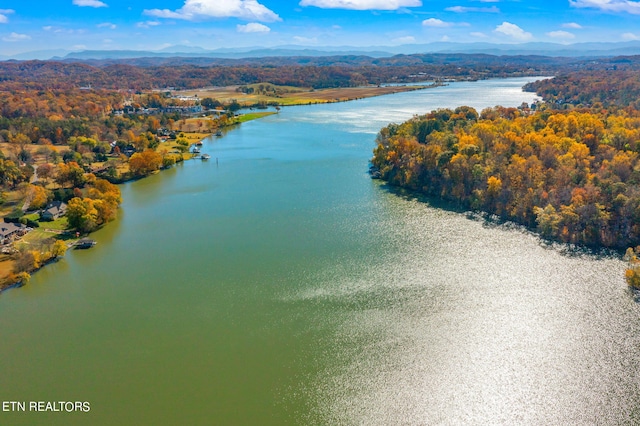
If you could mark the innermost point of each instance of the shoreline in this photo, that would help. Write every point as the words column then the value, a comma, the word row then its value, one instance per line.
column 193, row 137
column 301, row 97
column 201, row 136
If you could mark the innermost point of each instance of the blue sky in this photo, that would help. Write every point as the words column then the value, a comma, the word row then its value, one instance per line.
column 27, row 25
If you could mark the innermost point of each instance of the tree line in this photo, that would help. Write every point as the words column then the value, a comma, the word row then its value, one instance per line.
column 571, row 175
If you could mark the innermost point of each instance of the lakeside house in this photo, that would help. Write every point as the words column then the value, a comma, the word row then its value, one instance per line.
column 11, row 231
column 54, row 211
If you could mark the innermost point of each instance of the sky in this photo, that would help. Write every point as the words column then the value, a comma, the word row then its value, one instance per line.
column 34, row 25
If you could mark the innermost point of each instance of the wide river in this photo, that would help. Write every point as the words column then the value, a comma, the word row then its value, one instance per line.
column 284, row 286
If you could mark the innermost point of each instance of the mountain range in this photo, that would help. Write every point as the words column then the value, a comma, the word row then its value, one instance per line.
column 542, row 49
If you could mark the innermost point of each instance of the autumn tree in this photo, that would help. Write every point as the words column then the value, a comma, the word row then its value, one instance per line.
column 143, row 163
column 82, row 214
column 39, row 197
column 45, row 171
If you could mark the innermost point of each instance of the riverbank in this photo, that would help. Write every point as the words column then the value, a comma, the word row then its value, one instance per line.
column 291, row 96
column 42, row 238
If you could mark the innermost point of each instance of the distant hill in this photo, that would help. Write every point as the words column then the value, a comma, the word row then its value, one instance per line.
column 534, row 48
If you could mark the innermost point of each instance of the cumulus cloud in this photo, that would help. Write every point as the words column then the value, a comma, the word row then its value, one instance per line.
column 463, row 9
column 573, row 25
column 147, row 24
column 561, row 34
column 362, row 4
column 89, row 3
column 630, row 37
column 107, row 25
column 438, row 23
column 627, row 6
column 3, row 15
column 13, row 37
column 253, row 27
column 477, row 34
column 513, row 31
column 192, row 10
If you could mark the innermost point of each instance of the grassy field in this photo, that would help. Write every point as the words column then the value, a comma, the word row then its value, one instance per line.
column 253, row 116
column 301, row 97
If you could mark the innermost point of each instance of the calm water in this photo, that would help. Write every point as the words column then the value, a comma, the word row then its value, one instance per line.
column 284, row 286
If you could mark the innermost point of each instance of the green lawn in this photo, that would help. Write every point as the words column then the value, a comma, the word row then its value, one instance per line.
column 59, row 224
column 35, row 238
column 253, row 116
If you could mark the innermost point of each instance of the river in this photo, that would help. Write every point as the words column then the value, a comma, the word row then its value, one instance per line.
column 283, row 286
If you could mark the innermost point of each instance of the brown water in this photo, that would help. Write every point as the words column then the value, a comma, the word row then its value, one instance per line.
column 284, row 286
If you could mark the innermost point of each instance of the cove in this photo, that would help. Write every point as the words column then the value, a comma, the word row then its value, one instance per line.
column 284, row 286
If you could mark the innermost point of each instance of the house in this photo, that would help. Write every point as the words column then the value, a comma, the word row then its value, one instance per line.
column 10, row 231
column 54, row 211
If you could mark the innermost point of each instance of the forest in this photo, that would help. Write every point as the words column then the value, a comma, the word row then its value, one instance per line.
column 571, row 173
column 316, row 72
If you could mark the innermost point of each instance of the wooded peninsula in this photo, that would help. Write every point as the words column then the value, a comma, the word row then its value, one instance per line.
column 566, row 167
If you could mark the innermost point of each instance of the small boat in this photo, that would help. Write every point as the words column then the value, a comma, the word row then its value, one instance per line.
column 85, row 243
column 205, row 156
column 196, row 150
column 218, row 133
column 199, row 143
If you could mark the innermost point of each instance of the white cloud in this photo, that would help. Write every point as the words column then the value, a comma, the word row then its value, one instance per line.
column 253, row 27
column 362, row 4
column 628, row 6
column 13, row 37
column 630, row 37
column 147, row 24
column 305, row 40
column 79, row 47
column 561, row 34
column 404, row 40
column 107, row 25
column 59, row 30
column 573, row 25
column 478, row 35
column 463, row 9
column 513, row 31
column 445, row 38
column 89, row 3
column 249, row 10
column 438, row 23
column 3, row 15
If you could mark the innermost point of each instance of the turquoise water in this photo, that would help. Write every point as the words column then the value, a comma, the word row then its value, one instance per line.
column 284, row 286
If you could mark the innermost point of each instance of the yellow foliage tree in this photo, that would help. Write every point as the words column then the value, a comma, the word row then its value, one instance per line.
column 143, row 163
column 59, row 248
